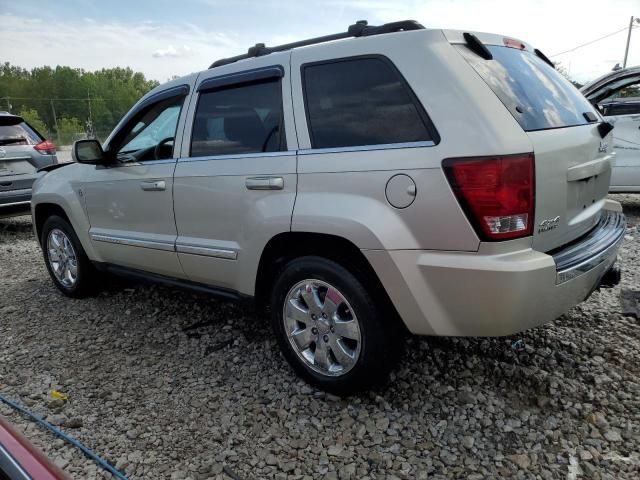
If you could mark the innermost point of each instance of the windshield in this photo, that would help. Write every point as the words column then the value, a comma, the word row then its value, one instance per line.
column 536, row 95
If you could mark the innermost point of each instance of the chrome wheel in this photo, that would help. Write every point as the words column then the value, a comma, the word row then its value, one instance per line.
column 322, row 327
column 62, row 258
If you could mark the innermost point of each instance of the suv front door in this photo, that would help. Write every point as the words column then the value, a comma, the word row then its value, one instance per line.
column 129, row 201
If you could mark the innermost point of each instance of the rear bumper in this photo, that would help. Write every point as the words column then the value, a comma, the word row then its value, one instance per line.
column 16, row 202
column 15, row 194
column 489, row 294
column 598, row 246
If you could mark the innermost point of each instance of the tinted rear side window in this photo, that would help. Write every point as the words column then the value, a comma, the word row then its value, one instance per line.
column 240, row 119
column 361, row 101
column 536, row 94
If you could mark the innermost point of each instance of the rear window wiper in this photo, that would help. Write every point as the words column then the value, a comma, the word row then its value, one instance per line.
column 603, row 128
column 476, row 46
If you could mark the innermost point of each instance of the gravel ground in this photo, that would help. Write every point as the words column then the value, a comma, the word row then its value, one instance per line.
column 165, row 384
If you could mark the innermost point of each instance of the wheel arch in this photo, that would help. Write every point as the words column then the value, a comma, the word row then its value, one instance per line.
column 286, row 246
column 42, row 211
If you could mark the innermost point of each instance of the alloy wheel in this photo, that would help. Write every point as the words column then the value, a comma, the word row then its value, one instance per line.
column 322, row 328
column 62, row 258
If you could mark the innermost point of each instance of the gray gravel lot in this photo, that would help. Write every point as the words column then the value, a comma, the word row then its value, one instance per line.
column 166, row 384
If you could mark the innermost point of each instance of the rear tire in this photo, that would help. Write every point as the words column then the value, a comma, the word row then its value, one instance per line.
column 331, row 328
column 71, row 270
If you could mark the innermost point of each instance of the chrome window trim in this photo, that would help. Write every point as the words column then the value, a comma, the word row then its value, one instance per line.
column 233, row 156
column 225, row 253
column 366, row 148
column 133, row 242
column 10, row 467
column 158, row 162
column 140, row 164
column 311, row 151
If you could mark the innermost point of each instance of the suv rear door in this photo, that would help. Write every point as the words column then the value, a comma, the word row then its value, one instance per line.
column 572, row 160
column 235, row 183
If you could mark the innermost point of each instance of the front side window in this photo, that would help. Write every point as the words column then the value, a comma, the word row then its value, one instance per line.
column 621, row 97
column 151, row 136
column 239, row 119
column 361, row 101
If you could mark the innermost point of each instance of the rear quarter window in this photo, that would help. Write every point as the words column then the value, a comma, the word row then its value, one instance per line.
column 361, row 101
column 537, row 95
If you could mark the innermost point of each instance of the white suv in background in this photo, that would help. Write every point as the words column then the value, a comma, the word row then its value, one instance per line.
column 617, row 96
column 357, row 186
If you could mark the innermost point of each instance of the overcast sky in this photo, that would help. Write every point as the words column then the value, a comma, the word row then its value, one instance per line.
column 163, row 38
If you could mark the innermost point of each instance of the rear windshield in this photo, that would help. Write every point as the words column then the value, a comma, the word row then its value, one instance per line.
column 536, row 95
column 19, row 134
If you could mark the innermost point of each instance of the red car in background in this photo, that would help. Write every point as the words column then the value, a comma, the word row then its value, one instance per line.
column 20, row 460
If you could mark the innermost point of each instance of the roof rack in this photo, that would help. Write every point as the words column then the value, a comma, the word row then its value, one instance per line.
column 359, row 29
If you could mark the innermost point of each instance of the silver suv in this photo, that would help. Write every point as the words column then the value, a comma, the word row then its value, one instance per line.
column 22, row 152
column 357, row 186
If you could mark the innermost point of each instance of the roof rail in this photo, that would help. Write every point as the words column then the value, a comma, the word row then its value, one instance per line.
column 359, row 29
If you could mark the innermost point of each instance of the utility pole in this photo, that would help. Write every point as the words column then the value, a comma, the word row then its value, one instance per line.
column 626, row 50
column 55, row 119
column 89, row 125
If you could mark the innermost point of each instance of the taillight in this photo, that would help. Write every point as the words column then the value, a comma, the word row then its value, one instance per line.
column 46, row 147
column 496, row 193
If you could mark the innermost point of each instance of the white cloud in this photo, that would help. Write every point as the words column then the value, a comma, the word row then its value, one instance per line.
column 92, row 45
column 162, row 50
column 172, row 51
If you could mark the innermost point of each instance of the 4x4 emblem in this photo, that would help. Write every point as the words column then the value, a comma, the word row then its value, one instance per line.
column 603, row 146
column 550, row 224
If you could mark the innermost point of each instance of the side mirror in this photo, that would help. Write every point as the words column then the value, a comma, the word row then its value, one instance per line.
column 88, row 151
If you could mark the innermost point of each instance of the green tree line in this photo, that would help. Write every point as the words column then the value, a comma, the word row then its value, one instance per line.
column 83, row 102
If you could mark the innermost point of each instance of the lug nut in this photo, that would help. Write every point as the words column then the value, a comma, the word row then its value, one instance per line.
column 313, row 316
column 325, row 338
column 314, row 330
column 324, row 315
column 333, row 329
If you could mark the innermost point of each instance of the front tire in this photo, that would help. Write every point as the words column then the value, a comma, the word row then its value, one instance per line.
column 71, row 270
column 331, row 328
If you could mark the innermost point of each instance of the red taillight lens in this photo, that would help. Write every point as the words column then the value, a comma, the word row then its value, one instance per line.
column 496, row 193
column 46, row 147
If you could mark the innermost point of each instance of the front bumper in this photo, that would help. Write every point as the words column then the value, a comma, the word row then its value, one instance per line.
column 494, row 294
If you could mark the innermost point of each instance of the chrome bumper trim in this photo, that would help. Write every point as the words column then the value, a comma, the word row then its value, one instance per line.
column 15, row 204
column 597, row 247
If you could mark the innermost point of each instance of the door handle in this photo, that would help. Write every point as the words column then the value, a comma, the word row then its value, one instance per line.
column 265, row 183
column 153, row 186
